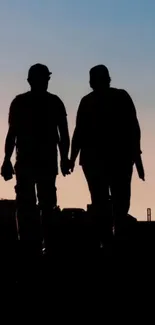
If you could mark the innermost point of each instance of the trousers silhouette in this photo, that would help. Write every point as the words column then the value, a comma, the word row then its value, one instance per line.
column 34, row 184
column 113, row 180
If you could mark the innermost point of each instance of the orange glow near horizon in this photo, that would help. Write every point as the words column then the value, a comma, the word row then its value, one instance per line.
column 72, row 191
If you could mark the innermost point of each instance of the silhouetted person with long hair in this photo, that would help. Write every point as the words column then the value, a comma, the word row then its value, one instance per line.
column 107, row 136
column 37, row 125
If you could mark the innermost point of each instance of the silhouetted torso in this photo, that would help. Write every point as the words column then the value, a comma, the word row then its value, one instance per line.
column 36, row 118
column 107, row 127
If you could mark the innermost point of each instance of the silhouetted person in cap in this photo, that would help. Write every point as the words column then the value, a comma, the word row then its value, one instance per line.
column 37, row 125
column 107, row 136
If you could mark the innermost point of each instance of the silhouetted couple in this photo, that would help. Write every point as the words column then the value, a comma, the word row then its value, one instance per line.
column 107, row 136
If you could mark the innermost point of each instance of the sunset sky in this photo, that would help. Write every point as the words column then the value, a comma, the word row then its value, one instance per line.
column 70, row 37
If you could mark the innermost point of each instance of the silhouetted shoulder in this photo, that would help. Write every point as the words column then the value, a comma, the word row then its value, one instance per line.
column 84, row 109
column 127, row 100
column 85, row 102
column 113, row 93
column 124, row 93
column 16, row 104
column 22, row 97
column 54, row 97
column 57, row 103
column 112, row 89
column 88, row 97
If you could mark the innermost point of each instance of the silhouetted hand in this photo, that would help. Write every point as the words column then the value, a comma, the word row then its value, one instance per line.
column 140, row 167
column 72, row 165
column 142, row 175
column 65, row 166
column 7, row 170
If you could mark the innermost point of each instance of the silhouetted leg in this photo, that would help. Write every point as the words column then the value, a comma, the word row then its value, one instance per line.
column 27, row 216
column 28, row 222
column 46, row 192
column 99, row 190
column 121, row 193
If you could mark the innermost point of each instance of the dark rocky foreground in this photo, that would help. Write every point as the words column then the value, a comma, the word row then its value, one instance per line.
column 77, row 259
column 77, row 264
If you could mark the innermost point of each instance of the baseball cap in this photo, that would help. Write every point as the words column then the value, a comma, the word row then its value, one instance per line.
column 37, row 70
column 99, row 71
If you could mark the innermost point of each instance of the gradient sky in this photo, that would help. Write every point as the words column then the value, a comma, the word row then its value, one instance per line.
column 70, row 37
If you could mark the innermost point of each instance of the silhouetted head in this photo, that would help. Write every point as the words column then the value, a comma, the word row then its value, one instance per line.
column 38, row 77
column 99, row 77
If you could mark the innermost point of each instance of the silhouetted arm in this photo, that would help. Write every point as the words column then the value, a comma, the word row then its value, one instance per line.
column 133, row 123
column 11, row 135
column 76, row 139
column 64, row 140
column 7, row 170
column 140, row 168
column 9, row 144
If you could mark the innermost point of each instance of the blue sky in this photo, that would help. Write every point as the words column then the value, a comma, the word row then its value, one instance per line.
column 70, row 37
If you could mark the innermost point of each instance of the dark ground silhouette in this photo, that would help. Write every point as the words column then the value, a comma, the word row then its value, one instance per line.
column 77, row 261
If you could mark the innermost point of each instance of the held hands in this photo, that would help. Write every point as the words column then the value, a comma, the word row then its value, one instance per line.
column 7, row 170
column 67, row 166
column 72, row 165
